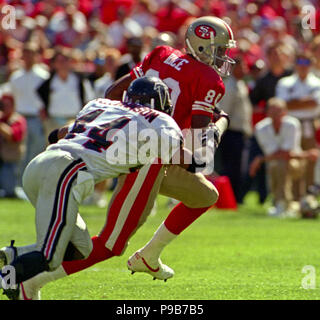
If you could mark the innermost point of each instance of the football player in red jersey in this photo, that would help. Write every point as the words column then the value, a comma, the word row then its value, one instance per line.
column 194, row 80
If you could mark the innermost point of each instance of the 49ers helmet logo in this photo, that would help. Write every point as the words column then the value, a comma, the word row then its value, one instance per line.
column 204, row 31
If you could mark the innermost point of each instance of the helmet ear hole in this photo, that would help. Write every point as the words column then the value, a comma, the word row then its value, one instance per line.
column 200, row 49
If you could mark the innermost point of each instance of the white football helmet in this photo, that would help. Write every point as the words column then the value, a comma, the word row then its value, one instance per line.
column 208, row 39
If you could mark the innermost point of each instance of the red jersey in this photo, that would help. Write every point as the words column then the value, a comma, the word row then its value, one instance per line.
column 195, row 87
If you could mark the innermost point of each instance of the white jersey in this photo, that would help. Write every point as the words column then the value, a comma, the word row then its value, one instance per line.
column 115, row 138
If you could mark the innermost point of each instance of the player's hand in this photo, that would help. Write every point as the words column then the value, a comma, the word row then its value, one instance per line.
column 211, row 133
column 218, row 114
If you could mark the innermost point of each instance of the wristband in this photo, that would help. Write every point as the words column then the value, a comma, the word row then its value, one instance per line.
column 193, row 166
column 218, row 113
column 214, row 134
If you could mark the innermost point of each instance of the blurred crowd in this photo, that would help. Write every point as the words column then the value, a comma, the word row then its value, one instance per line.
column 63, row 53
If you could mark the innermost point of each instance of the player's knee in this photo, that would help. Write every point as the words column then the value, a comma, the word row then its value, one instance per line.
column 208, row 198
column 53, row 266
column 207, row 195
column 86, row 251
column 54, row 263
column 214, row 195
column 79, row 252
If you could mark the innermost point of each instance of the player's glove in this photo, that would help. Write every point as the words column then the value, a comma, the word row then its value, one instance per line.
column 196, row 165
column 210, row 140
column 218, row 114
column 211, row 134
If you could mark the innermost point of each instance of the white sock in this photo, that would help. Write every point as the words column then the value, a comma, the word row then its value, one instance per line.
column 43, row 278
column 161, row 238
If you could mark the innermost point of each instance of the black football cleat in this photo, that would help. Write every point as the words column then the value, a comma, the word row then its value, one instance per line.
column 12, row 294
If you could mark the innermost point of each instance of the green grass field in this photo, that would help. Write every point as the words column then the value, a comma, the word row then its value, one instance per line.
column 223, row 255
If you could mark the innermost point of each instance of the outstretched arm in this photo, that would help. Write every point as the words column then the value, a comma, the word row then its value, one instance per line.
column 115, row 91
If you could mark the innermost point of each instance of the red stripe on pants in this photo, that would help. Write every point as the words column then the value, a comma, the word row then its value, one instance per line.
column 61, row 201
column 115, row 208
column 137, row 209
column 99, row 253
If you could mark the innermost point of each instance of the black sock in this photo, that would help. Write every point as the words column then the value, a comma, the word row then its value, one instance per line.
column 29, row 265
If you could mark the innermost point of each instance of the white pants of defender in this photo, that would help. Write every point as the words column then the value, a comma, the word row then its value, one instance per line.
column 56, row 183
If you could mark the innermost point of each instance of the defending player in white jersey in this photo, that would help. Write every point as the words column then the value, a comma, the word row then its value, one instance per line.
column 109, row 136
column 60, row 178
